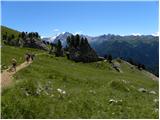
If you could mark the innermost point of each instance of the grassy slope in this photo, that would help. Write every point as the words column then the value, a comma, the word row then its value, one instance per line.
column 88, row 91
column 9, row 31
column 9, row 52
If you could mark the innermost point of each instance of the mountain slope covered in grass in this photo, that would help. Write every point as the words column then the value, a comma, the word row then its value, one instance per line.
column 141, row 49
column 22, row 39
column 9, row 31
column 54, row 87
column 10, row 52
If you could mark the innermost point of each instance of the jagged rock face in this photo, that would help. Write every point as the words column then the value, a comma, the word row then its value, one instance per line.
column 34, row 43
column 83, row 54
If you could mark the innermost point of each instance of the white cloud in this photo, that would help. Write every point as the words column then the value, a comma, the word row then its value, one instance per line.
column 56, row 30
column 156, row 34
column 79, row 32
column 43, row 37
column 136, row 34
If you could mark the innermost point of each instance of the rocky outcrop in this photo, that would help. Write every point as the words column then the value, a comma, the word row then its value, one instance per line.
column 28, row 42
column 34, row 43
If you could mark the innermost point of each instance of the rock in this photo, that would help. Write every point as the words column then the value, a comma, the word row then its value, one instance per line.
column 116, row 66
column 142, row 90
column 153, row 92
column 112, row 101
column 118, row 102
column 101, row 58
column 34, row 43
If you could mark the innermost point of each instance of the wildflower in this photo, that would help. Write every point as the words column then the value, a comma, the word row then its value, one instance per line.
column 115, row 101
column 155, row 100
column 61, row 91
column 113, row 113
column 38, row 91
column 92, row 91
column 52, row 95
column 26, row 93
column 64, row 92
column 156, row 110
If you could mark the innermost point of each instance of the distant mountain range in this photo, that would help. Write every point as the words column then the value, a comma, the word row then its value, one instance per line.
column 142, row 49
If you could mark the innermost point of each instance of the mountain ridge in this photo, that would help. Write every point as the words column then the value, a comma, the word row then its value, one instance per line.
column 141, row 49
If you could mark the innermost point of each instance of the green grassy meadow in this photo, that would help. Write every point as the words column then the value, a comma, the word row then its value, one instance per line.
column 10, row 52
column 9, row 31
column 54, row 87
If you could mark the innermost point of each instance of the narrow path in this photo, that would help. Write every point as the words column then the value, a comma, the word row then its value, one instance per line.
column 7, row 75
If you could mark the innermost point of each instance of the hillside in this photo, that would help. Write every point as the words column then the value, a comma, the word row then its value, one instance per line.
column 141, row 49
column 10, row 52
column 9, row 31
column 22, row 39
column 54, row 87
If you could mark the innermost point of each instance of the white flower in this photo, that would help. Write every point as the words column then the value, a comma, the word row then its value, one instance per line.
column 155, row 100
column 52, row 95
column 113, row 113
column 115, row 101
column 64, row 92
column 61, row 91
column 156, row 110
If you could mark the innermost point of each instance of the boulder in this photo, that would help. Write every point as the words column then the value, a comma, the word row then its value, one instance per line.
column 34, row 43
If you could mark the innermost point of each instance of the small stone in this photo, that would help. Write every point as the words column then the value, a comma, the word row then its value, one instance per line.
column 112, row 101
column 152, row 92
column 142, row 90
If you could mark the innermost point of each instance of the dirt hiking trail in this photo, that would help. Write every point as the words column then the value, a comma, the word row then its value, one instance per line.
column 7, row 75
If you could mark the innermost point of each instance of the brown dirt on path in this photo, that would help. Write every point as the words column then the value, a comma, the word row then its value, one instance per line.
column 7, row 75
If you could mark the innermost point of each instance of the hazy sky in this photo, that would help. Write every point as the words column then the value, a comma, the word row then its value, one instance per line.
column 92, row 18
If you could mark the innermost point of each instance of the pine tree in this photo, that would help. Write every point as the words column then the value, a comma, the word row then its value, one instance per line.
column 59, row 49
column 12, row 36
column 110, row 58
column 69, row 41
column 4, row 37
column 77, row 40
column 82, row 42
column 23, row 35
column 72, row 41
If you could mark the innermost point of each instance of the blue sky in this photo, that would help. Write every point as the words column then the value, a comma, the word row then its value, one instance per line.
column 91, row 18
